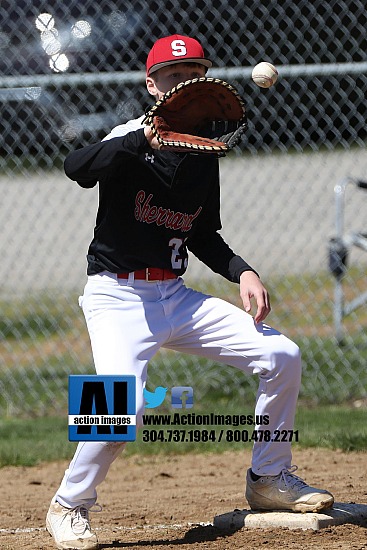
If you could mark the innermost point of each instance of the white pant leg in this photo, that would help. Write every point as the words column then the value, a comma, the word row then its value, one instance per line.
column 207, row 326
column 88, row 469
column 127, row 326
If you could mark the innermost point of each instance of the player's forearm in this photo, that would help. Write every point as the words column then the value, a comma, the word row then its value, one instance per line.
column 88, row 164
column 216, row 254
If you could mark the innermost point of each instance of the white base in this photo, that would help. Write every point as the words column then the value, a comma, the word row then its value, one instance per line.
column 340, row 513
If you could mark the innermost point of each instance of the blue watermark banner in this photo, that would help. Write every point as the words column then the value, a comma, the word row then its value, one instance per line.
column 102, row 408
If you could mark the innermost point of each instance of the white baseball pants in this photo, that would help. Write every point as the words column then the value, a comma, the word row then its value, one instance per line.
column 129, row 321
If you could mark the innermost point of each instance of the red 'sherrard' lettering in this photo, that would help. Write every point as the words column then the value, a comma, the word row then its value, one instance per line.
column 147, row 213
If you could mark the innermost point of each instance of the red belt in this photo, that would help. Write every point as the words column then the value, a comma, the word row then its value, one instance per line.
column 150, row 274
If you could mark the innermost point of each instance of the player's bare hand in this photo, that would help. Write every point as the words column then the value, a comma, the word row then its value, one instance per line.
column 150, row 137
column 154, row 143
column 252, row 287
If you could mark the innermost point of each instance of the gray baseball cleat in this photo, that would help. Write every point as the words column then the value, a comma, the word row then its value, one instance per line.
column 70, row 527
column 285, row 491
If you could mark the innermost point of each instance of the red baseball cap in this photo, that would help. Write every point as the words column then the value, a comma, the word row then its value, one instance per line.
column 175, row 49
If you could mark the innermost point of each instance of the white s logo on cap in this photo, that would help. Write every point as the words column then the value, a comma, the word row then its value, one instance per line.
column 178, row 48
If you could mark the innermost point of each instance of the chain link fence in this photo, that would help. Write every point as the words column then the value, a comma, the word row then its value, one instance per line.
column 71, row 71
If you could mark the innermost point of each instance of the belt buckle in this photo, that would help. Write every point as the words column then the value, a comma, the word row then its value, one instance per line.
column 147, row 279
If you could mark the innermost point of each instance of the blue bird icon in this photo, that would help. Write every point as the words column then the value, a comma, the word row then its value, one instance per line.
column 154, row 399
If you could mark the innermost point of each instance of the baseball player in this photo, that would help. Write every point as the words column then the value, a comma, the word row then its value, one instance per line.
column 154, row 207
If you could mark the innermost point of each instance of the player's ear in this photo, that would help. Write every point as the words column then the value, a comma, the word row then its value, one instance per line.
column 151, row 86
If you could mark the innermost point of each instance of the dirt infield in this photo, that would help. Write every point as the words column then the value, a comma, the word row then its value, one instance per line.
column 169, row 502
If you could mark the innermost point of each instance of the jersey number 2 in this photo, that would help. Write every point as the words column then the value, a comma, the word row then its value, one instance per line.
column 177, row 260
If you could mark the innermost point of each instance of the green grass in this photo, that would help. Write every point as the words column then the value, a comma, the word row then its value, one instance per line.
column 333, row 427
column 28, row 442
column 36, row 317
column 331, row 374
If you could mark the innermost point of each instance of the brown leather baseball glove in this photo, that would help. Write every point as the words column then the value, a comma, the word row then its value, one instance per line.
column 202, row 115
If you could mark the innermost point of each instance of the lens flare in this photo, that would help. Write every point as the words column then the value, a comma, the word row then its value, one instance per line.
column 81, row 29
column 45, row 22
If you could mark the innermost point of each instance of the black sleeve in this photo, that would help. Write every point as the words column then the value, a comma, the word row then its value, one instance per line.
column 211, row 249
column 209, row 246
column 88, row 164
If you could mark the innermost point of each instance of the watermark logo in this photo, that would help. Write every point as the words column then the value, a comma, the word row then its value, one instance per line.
column 102, row 408
column 154, row 399
column 182, row 397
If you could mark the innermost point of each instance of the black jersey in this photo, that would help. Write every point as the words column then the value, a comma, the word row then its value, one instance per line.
column 153, row 206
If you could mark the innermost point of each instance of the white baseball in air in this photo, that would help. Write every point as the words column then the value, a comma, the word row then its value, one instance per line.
column 264, row 74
